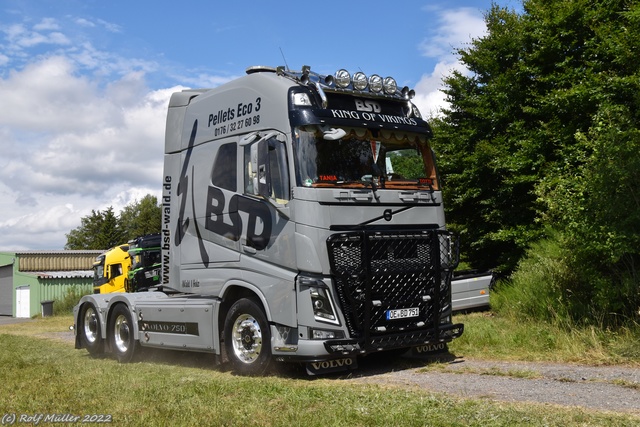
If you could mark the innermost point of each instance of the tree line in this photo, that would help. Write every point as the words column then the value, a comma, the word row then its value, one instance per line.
column 104, row 229
column 540, row 147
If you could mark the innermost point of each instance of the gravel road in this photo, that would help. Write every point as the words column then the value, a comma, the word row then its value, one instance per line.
column 610, row 388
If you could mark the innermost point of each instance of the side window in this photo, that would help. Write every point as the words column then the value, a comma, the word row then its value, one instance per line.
column 278, row 170
column 223, row 174
column 116, row 270
column 265, row 170
column 249, row 173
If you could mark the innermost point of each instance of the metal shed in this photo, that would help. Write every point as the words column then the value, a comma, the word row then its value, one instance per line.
column 42, row 276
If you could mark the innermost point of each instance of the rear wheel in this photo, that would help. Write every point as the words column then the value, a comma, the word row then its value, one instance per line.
column 121, row 334
column 90, row 330
column 247, row 338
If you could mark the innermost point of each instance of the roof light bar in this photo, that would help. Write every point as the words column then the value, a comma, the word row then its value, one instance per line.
column 374, row 83
column 343, row 80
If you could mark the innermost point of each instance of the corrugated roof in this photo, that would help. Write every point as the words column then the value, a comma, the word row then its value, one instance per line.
column 56, row 260
column 62, row 252
column 78, row 274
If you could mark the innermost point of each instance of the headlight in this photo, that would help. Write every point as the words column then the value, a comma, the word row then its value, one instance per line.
column 375, row 83
column 321, row 303
column 390, row 86
column 301, row 100
column 359, row 81
column 342, row 78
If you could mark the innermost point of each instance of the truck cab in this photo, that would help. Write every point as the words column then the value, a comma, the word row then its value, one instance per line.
column 110, row 270
column 145, row 263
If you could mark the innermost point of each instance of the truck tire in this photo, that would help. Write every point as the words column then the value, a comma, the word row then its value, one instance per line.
column 121, row 334
column 247, row 338
column 90, row 330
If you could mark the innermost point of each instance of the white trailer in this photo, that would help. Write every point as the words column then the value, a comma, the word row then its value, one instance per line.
column 302, row 222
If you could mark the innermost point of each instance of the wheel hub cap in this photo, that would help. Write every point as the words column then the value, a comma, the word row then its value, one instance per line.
column 247, row 339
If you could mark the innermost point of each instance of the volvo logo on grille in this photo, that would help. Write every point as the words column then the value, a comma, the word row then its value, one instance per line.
column 387, row 215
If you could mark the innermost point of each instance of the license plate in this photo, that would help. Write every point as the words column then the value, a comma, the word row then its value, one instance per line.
column 403, row 313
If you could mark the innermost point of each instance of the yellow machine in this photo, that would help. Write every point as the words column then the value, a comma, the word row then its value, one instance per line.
column 110, row 271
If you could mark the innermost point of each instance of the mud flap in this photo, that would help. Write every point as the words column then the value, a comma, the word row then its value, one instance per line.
column 331, row 366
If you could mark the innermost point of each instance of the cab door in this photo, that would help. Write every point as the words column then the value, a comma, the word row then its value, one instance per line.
column 267, row 231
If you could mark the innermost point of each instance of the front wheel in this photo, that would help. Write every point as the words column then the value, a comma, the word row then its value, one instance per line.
column 90, row 330
column 247, row 339
column 121, row 334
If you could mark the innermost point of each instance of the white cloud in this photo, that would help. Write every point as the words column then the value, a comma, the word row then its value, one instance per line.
column 80, row 130
column 87, row 23
column 46, row 95
column 202, row 80
column 84, row 22
column 86, row 138
column 20, row 37
column 430, row 99
column 47, row 24
column 70, row 146
column 109, row 26
column 454, row 29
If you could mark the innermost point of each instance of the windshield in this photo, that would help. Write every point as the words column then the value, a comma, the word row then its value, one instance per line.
column 357, row 157
column 98, row 268
column 98, row 272
column 144, row 258
column 136, row 260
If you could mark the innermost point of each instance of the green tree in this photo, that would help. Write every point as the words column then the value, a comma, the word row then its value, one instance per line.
column 490, row 153
column 104, row 230
column 100, row 230
column 141, row 217
column 409, row 166
column 543, row 132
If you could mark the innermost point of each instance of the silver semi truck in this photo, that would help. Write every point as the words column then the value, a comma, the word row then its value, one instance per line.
column 302, row 222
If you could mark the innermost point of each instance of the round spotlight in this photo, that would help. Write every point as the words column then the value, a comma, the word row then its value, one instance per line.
column 375, row 83
column 359, row 81
column 390, row 86
column 342, row 78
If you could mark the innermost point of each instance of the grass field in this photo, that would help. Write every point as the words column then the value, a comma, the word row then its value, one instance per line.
column 41, row 375
column 494, row 337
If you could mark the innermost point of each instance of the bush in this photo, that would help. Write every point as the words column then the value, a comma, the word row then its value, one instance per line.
column 68, row 301
column 555, row 283
column 536, row 290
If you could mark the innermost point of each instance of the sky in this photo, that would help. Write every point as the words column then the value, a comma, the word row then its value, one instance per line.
column 84, row 84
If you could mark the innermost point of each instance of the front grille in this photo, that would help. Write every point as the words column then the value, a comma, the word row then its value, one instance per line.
column 375, row 272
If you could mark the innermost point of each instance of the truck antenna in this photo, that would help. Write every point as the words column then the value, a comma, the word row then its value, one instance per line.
column 284, row 59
